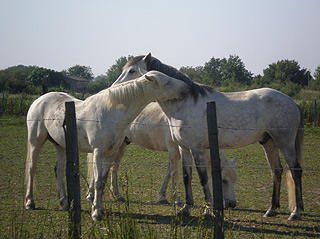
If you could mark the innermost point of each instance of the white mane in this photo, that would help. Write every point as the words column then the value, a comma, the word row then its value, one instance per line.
column 125, row 93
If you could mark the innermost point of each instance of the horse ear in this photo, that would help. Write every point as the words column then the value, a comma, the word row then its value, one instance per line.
column 234, row 161
column 147, row 57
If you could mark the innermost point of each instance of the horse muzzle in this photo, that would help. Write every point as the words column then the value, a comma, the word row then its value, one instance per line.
column 230, row 204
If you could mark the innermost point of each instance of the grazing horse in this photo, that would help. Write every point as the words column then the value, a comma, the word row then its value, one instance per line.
column 151, row 130
column 262, row 115
column 101, row 123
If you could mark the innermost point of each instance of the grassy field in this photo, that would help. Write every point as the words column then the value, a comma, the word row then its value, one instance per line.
column 141, row 217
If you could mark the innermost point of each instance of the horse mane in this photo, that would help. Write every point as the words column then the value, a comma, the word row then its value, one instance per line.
column 153, row 63
column 125, row 93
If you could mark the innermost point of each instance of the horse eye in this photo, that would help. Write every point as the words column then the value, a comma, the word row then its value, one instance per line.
column 132, row 71
column 224, row 181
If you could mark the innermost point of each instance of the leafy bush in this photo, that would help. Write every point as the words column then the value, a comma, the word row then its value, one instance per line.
column 307, row 108
column 16, row 105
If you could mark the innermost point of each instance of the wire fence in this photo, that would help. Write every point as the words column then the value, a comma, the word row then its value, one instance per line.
column 161, row 165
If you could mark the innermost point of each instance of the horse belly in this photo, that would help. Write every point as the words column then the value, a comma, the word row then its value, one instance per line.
column 149, row 138
column 237, row 139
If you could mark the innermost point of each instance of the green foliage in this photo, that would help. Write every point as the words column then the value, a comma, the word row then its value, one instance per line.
column 13, row 79
column 317, row 74
column 307, row 108
column 314, row 84
column 223, row 72
column 16, row 105
column 80, row 71
column 286, row 71
column 197, row 74
column 111, row 75
column 229, row 74
column 42, row 76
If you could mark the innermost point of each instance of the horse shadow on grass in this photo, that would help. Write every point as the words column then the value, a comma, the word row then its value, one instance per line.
column 251, row 226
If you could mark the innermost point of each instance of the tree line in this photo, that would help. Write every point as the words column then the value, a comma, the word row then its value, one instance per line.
column 227, row 74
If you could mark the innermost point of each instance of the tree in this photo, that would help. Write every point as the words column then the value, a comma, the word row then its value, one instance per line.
column 46, row 77
column 80, row 71
column 13, row 79
column 314, row 83
column 115, row 70
column 233, row 69
column 111, row 75
column 212, row 71
column 317, row 74
column 286, row 71
column 225, row 71
column 197, row 74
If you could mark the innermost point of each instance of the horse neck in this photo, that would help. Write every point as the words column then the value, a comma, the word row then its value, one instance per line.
column 128, row 106
column 176, row 108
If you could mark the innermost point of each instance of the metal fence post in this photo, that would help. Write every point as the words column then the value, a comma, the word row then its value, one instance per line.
column 215, row 170
column 72, row 171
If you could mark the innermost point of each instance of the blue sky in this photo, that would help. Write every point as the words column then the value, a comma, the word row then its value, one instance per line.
column 62, row 33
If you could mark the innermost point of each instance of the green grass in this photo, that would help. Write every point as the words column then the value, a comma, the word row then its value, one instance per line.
column 140, row 217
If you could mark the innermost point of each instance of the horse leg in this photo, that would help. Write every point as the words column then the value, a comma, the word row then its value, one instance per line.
column 61, row 162
column 295, row 187
column 171, row 172
column 272, row 155
column 31, row 167
column 90, row 178
column 200, row 160
column 163, row 189
column 101, row 167
column 187, row 177
column 114, row 174
column 37, row 136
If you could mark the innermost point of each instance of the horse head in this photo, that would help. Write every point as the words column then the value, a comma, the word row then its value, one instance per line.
column 229, row 179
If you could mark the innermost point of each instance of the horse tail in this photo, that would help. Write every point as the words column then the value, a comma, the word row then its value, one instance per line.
column 299, row 147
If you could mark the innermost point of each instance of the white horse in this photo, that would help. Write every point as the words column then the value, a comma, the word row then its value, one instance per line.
column 243, row 118
column 101, row 122
column 151, row 130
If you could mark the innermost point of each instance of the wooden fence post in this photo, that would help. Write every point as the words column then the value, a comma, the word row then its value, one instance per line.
column 72, row 171
column 215, row 170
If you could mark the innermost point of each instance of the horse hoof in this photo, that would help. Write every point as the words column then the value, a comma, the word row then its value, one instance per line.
column 120, row 199
column 30, row 205
column 208, row 216
column 64, row 208
column 178, row 202
column 64, row 205
column 184, row 211
column 294, row 217
column 163, row 202
column 97, row 215
column 270, row 213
